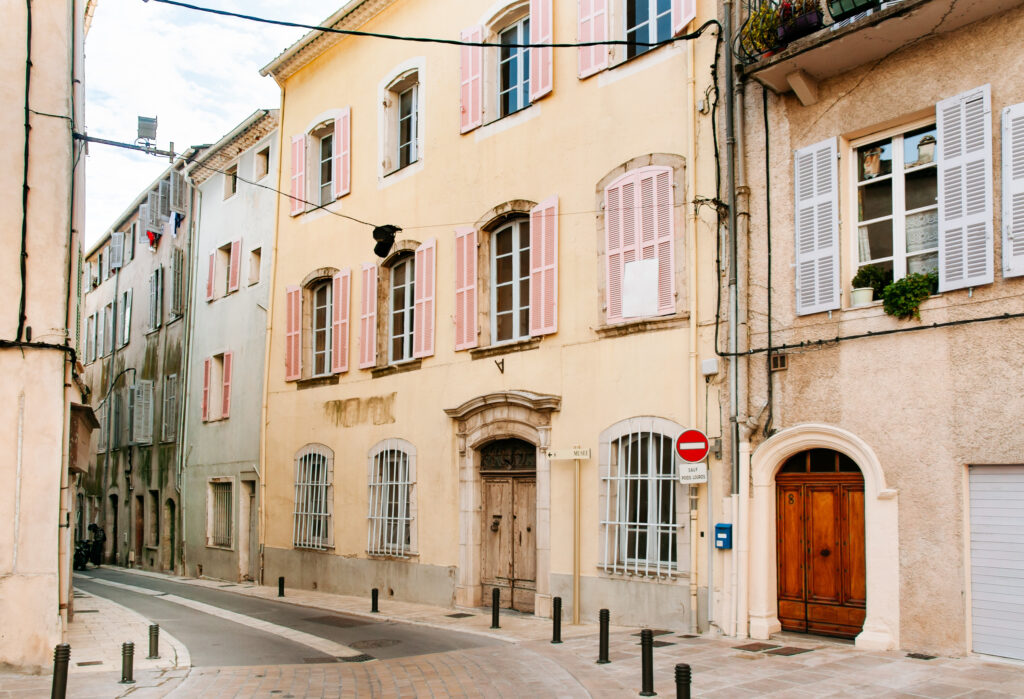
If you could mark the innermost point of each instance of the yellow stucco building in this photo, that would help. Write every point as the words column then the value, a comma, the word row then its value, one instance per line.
column 545, row 291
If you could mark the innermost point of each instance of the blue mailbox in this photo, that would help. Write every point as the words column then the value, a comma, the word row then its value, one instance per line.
column 723, row 536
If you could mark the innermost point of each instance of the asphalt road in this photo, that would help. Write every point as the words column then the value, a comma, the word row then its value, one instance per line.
column 213, row 641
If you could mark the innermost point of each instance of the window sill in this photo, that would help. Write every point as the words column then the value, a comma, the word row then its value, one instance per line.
column 313, row 382
column 411, row 365
column 220, row 548
column 407, row 558
column 397, row 170
column 642, row 325
column 174, row 319
column 150, row 331
column 506, row 348
column 670, row 577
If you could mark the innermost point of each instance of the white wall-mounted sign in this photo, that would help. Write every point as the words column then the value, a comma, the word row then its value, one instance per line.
column 574, row 453
column 693, row 473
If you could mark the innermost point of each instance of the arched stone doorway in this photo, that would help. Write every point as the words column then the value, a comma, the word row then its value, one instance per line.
column 819, row 497
column 881, row 534
column 523, row 416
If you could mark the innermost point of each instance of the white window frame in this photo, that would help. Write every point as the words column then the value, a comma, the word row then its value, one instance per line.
column 255, row 261
column 391, row 500
column 317, row 136
column 617, row 489
column 652, row 21
column 899, row 256
column 217, row 519
column 231, row 181
column 324, row 354
column 156, row 297
column 126, row 318
column 313, row 513
column 409, row 293
column 413, row 116
column 408, row 74
column 521, row 82
column 520, row 229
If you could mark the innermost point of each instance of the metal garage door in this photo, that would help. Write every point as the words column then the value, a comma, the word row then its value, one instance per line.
column 997, row 560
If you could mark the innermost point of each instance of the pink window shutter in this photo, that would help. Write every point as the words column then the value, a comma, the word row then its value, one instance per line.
column 292, row 334
column 683, row 12
column 465, row 288
column 544, row 267
column 654, row 220
column 472, row 93
column 541, row 59
column 236, row 265
column 206, row 389
column 339, row 321
column 423, row 300
column 210, row 276
column 343, row 153
column 368, row 318
column 226, row 406
column 593, row 26
column 620, row 240
column 298, row 174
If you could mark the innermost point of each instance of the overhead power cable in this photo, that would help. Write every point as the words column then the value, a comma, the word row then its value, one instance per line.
column 433, row 40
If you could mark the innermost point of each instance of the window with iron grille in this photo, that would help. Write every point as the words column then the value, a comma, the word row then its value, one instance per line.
column 390, row 530
column 219, row 514
column 314, row 498
column 641, row 508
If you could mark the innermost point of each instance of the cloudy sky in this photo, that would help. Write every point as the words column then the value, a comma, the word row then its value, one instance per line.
column 197, row 73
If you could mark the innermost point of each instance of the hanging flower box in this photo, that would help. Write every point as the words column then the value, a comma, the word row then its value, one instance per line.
column 799, row 26
column 844, row 9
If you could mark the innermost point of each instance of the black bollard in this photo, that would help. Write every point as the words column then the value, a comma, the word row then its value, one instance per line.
column 374, row 596
column 647, row 663
column 602, row 647
column 154, row 642
column 556, row 619
column 280, row 586
column 495, row 601
column 61, row 657
column 127, row 662
column 682, row 681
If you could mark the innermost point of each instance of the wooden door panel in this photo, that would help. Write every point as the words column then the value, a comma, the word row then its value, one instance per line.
column 496, row 551
column 790, row 542
column 524, row 542
column 855, row 589
column 824, row 569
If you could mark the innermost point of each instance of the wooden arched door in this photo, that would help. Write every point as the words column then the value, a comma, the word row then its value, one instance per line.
column 820, row 546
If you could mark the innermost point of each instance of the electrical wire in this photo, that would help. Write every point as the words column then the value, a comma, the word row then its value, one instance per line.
column 432, row 40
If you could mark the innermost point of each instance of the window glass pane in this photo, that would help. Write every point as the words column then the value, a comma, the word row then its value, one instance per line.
column 524, row 292
column 504, row 269
column 795, row 464
column 637, row 12
column 921, row 188
column 505, row 297
column 875, row 200
column 923, row 231
column 923, row 264
column 874, row 160
column 919, row 147
column 847, row 465
column 398, row 348
column 504, row 326
column 398, row 275
column 503, row 241
column 524, row 322
column 874, row 241
column 398, row 322
column 823, row 461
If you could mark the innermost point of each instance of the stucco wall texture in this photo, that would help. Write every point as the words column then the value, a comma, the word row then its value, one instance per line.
column 928, row 403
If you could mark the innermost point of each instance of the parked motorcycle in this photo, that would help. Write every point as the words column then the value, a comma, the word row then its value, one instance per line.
column 83, row 549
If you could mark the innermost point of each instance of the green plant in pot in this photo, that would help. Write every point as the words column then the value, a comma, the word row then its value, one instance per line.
column 760, row 34
column 869, row 278
column 904, row 296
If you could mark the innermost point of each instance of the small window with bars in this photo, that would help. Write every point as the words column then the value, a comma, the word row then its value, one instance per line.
column 314, row 498
column 391, row 505
column 640, row 509
column 219, row 515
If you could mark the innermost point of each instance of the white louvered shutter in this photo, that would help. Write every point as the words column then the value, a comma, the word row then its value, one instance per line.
column 116, row 250
column 143, row 224
column 965, row 189
column 164, row 190
column 817, row 228
column 179, row 193
column 1013, row 191
column 143, row 408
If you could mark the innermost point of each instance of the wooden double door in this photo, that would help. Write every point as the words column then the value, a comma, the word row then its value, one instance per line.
column 509, row 522
column 821, row 557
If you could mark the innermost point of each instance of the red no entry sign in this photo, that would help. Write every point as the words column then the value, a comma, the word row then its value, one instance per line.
column 692, row 446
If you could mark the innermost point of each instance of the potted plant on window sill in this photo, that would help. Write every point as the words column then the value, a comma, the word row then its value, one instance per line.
column 869, row 284
column 904, row 296
column 798, row 18
column 844, row 9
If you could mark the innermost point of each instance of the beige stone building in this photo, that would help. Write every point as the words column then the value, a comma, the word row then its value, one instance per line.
column 44, row 426
column 544, row 292
column 893, row 145
column 134, row 350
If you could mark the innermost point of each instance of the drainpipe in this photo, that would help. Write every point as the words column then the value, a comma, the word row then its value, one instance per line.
column 691, row 262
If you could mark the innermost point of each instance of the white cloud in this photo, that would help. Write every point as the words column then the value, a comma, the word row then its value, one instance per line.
column 197, row 73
